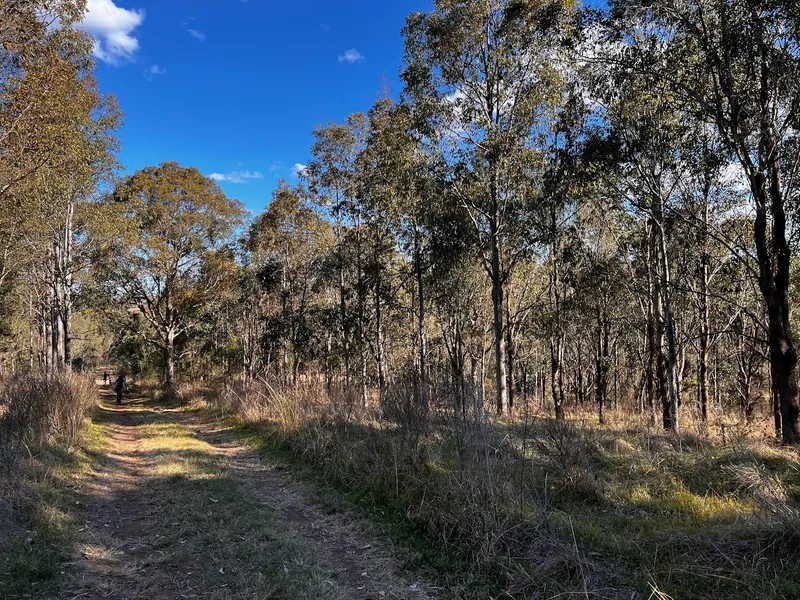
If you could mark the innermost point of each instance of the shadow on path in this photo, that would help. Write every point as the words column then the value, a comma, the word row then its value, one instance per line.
column 180, row 509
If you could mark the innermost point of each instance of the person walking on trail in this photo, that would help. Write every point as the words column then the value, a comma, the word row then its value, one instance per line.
column 119, row 387
column 105, row 378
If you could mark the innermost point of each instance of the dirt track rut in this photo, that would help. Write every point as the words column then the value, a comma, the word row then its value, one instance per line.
column 178, row 508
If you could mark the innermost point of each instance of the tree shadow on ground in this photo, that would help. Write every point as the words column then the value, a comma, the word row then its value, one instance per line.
column 164, row 517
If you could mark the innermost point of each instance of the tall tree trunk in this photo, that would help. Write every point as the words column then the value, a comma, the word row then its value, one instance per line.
column 670, row 376
column 715, row 382
column 66, row 283
column 328, row 370
column 774, row 265
column 543, row 386
column 421, row 336
column 510, row 354
column 345, row 329
column 679, row 373
column 602, row 364
column 705, row 310
column 775, row 398
column 169, row 361
column 525, row 383
column 650, row 327
column 285, row 318
column 56, row 330
column 379, row 349
column 31, row 325
column 461, row 362
column 361, row 331
column 557, row 334
column 67, row 326
column 579, row 392
column 599, row 379
column 501, row 376
column 557, row 375
column 616, row 376
column 46, row 334
column 364, row 391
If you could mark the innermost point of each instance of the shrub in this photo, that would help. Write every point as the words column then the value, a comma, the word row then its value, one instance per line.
column 567, row 450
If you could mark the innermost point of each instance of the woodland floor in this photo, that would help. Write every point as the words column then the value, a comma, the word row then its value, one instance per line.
column 162, row 503
column 177, row 508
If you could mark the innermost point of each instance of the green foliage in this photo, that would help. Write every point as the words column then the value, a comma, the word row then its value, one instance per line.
column 171, row 258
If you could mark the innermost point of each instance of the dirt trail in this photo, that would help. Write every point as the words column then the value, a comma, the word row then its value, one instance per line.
column 180, row 509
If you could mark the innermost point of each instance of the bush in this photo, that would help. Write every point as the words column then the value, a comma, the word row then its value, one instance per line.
column 38, row 409
column 568, row 451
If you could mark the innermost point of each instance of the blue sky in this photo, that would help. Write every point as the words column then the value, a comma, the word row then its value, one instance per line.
column 234, row 87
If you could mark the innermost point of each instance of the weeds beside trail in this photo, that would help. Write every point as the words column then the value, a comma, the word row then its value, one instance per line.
column 540, row 509
column 178, row 509
column 44, row 453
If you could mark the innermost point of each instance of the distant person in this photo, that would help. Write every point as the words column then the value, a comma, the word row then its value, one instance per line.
column 119, row 387
column 105, row 378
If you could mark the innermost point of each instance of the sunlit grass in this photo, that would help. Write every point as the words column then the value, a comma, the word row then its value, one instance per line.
column 97, row 552
column 177, row 452
column 214, row 524
column 42, row 526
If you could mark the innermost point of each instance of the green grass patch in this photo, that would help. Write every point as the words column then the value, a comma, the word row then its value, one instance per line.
column 37, row 519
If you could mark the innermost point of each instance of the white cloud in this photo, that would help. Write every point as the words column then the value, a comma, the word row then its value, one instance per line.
column 112, row 28
column 152, row 71
column 455, row 96
column 734, row 177
column 198, row 35
column 351, row 57
column 299, row 170
column 236, row 176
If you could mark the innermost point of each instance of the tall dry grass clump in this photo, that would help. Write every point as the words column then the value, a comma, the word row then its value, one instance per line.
column 38, row 409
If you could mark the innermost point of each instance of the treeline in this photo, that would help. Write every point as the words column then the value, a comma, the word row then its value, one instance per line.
column 562, row 207
column 57, row 150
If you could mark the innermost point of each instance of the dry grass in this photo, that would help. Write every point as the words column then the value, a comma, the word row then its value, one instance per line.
column 46, row 449
column 535, row 508
column 41, row 410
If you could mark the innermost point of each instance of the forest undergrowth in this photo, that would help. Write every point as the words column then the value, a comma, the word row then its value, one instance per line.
column 533, row 507
column 46, row 446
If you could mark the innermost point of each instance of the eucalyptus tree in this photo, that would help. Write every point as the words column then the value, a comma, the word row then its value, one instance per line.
column 645, row 136
column 170, row 259
column 288, row 244
column 334, row 184
column 33, row 54
column 489, row 72
column 599, row 298
column 713, row 234
column 736, row 63
column 56, row 146
column 251, row 312
column 400, row 171
column 562, row 191
column 63, row 201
